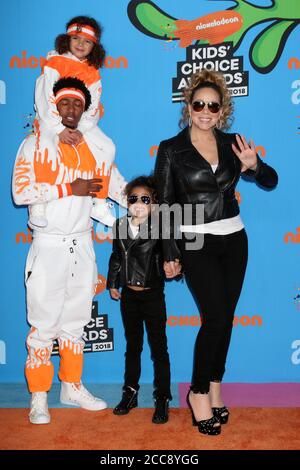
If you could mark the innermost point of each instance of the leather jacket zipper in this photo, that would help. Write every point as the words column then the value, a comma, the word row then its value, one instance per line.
column 147, row 266
column 126, row 259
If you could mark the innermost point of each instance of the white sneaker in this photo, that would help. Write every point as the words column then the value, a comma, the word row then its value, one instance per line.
column 78, row 395
column 39, row 413
column 102, row 213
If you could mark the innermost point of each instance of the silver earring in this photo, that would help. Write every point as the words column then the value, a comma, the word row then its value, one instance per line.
column 190, row 121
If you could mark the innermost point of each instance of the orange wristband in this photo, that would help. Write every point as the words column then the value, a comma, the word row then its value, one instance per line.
column 60, row 191
column 69, row 189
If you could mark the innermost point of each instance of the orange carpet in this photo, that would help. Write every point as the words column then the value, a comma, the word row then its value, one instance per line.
column 249, row 428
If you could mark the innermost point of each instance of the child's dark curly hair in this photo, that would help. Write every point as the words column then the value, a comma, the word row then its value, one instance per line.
column 97, row 55
column 143, row 181
column 73, row 82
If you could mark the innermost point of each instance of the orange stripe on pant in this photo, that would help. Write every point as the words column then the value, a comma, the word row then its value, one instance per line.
column 39, row 370
column 39, row 378
column 71, row 361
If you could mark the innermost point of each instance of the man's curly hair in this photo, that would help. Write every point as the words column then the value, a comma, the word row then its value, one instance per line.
column 97, row 54
column 73, row 82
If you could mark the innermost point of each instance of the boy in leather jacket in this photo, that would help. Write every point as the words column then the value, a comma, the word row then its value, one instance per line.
column 136, row 265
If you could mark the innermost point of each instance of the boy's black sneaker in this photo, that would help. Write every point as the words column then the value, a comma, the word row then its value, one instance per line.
column 129, row 401
column 161, row 413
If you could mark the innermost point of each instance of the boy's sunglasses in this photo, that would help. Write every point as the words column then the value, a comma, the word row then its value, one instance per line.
column 213, row 106
column 133, row 199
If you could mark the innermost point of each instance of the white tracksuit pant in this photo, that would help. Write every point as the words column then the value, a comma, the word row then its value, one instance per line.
column 60, row 278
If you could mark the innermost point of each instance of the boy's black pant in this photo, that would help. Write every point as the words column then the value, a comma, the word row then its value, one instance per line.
column 139, row 307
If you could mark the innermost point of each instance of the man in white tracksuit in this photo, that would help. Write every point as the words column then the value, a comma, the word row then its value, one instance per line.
column 61, row 272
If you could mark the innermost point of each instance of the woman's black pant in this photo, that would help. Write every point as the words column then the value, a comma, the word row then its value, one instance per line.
column 215, row 275
column 139, row 307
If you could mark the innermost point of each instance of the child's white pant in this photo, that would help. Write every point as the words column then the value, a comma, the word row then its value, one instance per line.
column 60, row 277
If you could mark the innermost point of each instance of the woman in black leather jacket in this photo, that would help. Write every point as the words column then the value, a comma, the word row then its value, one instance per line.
column 201, row 167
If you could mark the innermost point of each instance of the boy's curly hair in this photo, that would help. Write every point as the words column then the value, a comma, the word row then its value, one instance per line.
column 142, row 181
column 97, row 55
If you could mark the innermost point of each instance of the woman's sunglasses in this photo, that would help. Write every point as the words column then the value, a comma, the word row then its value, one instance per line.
column 213, row 106
column 133, row 199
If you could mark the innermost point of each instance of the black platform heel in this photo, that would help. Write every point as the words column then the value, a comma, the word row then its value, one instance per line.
column 205, row 426
column 221, row 413
column 194, row 421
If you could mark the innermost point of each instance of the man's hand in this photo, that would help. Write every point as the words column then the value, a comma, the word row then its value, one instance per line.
column 115, row 294
column 70, row 136
column 81, row 187
column 172, row 268
column 77, row 135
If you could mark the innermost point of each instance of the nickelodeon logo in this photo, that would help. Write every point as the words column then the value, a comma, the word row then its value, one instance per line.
column 261, row 150
column 293, row 63
column 32, row 62
column 214, row 27
column 295, row 97
column 291, row 237
column 2, row 92
column 23, row 237
column 295, row 357
column 153, row 150
column 195, row 320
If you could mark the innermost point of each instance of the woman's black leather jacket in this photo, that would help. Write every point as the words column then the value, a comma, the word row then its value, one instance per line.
column 185, row 177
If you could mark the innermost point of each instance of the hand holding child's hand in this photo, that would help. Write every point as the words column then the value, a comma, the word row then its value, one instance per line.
column 115, row 294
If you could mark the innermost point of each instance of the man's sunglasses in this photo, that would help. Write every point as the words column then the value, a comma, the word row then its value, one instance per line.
column 213, row 106
column 133, row 199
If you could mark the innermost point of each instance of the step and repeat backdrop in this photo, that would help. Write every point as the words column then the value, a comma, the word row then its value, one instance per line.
column 152, row 49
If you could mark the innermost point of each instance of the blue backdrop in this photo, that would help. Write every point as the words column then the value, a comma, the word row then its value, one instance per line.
column 139, row 113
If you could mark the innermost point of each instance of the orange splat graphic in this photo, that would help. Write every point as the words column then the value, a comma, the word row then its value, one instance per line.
column 77, row 157
column 81, row 159
column 67, row 67
column 101, row 110
column 43, row 168
column 37, row 131
column 105, row 176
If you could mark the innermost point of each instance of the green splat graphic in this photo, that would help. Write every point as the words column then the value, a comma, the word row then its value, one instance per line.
column 267, row 47
column 158, row 23
column 280, row 18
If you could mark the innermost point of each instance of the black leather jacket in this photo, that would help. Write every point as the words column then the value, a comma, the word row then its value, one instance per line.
column 135, row 261
column 185, row 177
